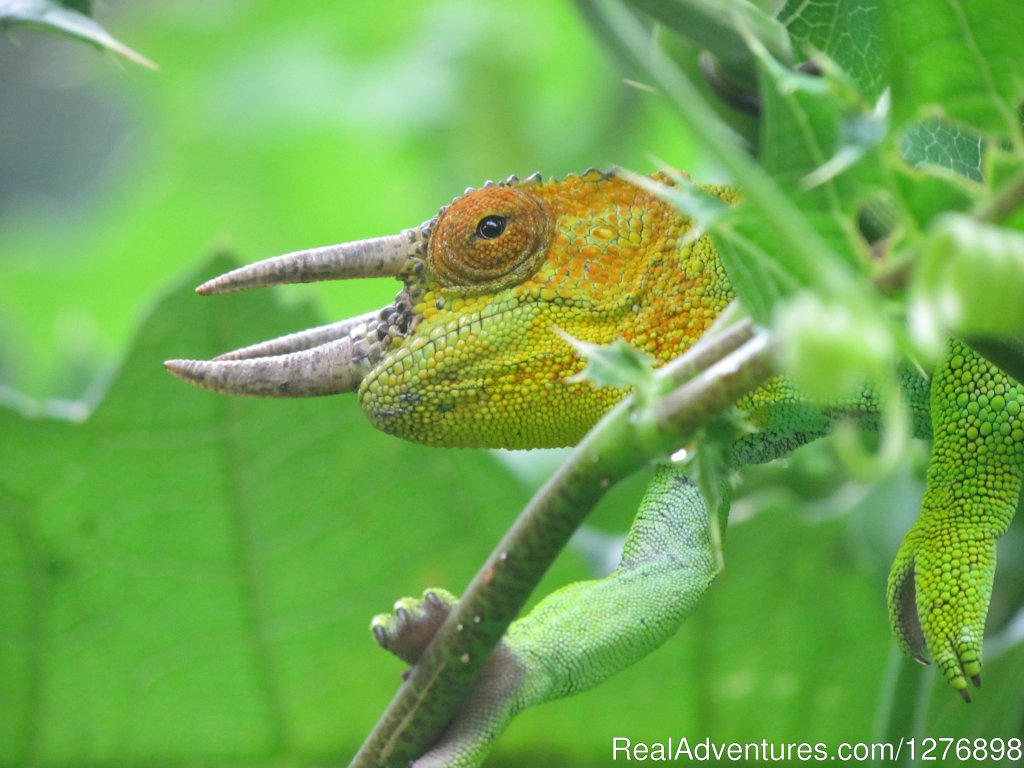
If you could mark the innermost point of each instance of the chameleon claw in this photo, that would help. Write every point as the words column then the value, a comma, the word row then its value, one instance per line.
column 412, row 624
column 965, row 695
column 921, row 660
column 976, row 681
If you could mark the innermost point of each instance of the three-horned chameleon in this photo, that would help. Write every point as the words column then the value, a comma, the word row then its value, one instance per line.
column 473, row 352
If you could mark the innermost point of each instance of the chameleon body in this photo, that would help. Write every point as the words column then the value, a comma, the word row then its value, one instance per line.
column 473, row 353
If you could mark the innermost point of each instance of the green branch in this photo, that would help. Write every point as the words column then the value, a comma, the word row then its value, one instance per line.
column 713, row 375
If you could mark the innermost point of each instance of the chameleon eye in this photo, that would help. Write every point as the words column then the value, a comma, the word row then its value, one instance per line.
column 490, row 238
column 491, row 227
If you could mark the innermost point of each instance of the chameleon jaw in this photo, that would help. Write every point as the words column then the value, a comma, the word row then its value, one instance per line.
column 327, row 360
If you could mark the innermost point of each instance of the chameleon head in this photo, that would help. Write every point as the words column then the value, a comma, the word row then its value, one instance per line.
column 470, row 351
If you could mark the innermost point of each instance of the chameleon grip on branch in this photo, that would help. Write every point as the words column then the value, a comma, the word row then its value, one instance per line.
column 473, row 352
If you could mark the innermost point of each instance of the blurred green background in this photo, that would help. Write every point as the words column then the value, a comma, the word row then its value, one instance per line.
column 276, row 126
column 271, row 127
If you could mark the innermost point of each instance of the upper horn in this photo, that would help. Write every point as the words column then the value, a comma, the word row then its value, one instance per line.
column 376, row 257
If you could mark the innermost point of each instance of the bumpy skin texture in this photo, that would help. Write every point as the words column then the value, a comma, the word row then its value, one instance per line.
column 583, row 633
column 593, row 256
column 483, row 365
column 941, row 582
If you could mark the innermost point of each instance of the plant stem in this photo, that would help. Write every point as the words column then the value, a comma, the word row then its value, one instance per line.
column 716, row 373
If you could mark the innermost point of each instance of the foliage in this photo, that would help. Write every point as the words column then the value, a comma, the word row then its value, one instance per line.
column 190, row 577
column 67, row 18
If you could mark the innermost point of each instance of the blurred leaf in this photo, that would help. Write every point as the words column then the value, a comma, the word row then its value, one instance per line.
column 818, row 141
column 944, row 145
column 965, row 56
column 927, row 191
column 959, row 284
column 831, row 349
column 1005, row 351
column 718, row 26
column 806, row 121
column 65, row 20
column 189, row 578
column 844, row 30
column 82, row 6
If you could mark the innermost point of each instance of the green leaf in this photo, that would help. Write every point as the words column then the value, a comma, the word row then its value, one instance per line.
column 927, row 192
column 188, row 578
column 613, row 365
column 809, row 122
column 718, row 26
column 818, row 142
column 711, row 463
column 82, row 6
column 68, row 21
column 938, row 143
column 762, row 271
column 832, row 348
column 844, row 30
column 960, row 58
column 959, row 286
column 1007, row 352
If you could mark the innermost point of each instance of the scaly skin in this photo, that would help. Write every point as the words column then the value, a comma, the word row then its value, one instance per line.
column 941, row 581
column 580, row 635
column 470, row 354
column 601, row 259
column 593, row 256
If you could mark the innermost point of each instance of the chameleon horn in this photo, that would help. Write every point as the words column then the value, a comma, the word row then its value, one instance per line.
column 296, row 342
column 328, row 369
column 376, row 257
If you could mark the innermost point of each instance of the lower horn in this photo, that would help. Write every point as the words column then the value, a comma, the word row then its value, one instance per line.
column 329, row 369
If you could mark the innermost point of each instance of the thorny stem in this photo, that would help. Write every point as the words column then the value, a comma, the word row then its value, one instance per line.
column 716, row 372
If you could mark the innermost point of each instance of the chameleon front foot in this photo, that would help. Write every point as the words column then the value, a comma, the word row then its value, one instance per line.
column 579, row 635
column 490, row 704
column 408, row 630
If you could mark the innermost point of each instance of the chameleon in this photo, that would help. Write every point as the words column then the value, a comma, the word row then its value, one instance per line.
column 473, row 352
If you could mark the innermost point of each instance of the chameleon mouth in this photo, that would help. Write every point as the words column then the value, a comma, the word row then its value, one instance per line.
column 327, row 360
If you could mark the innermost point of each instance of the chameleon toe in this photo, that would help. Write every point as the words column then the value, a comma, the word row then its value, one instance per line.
column 408, row 630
